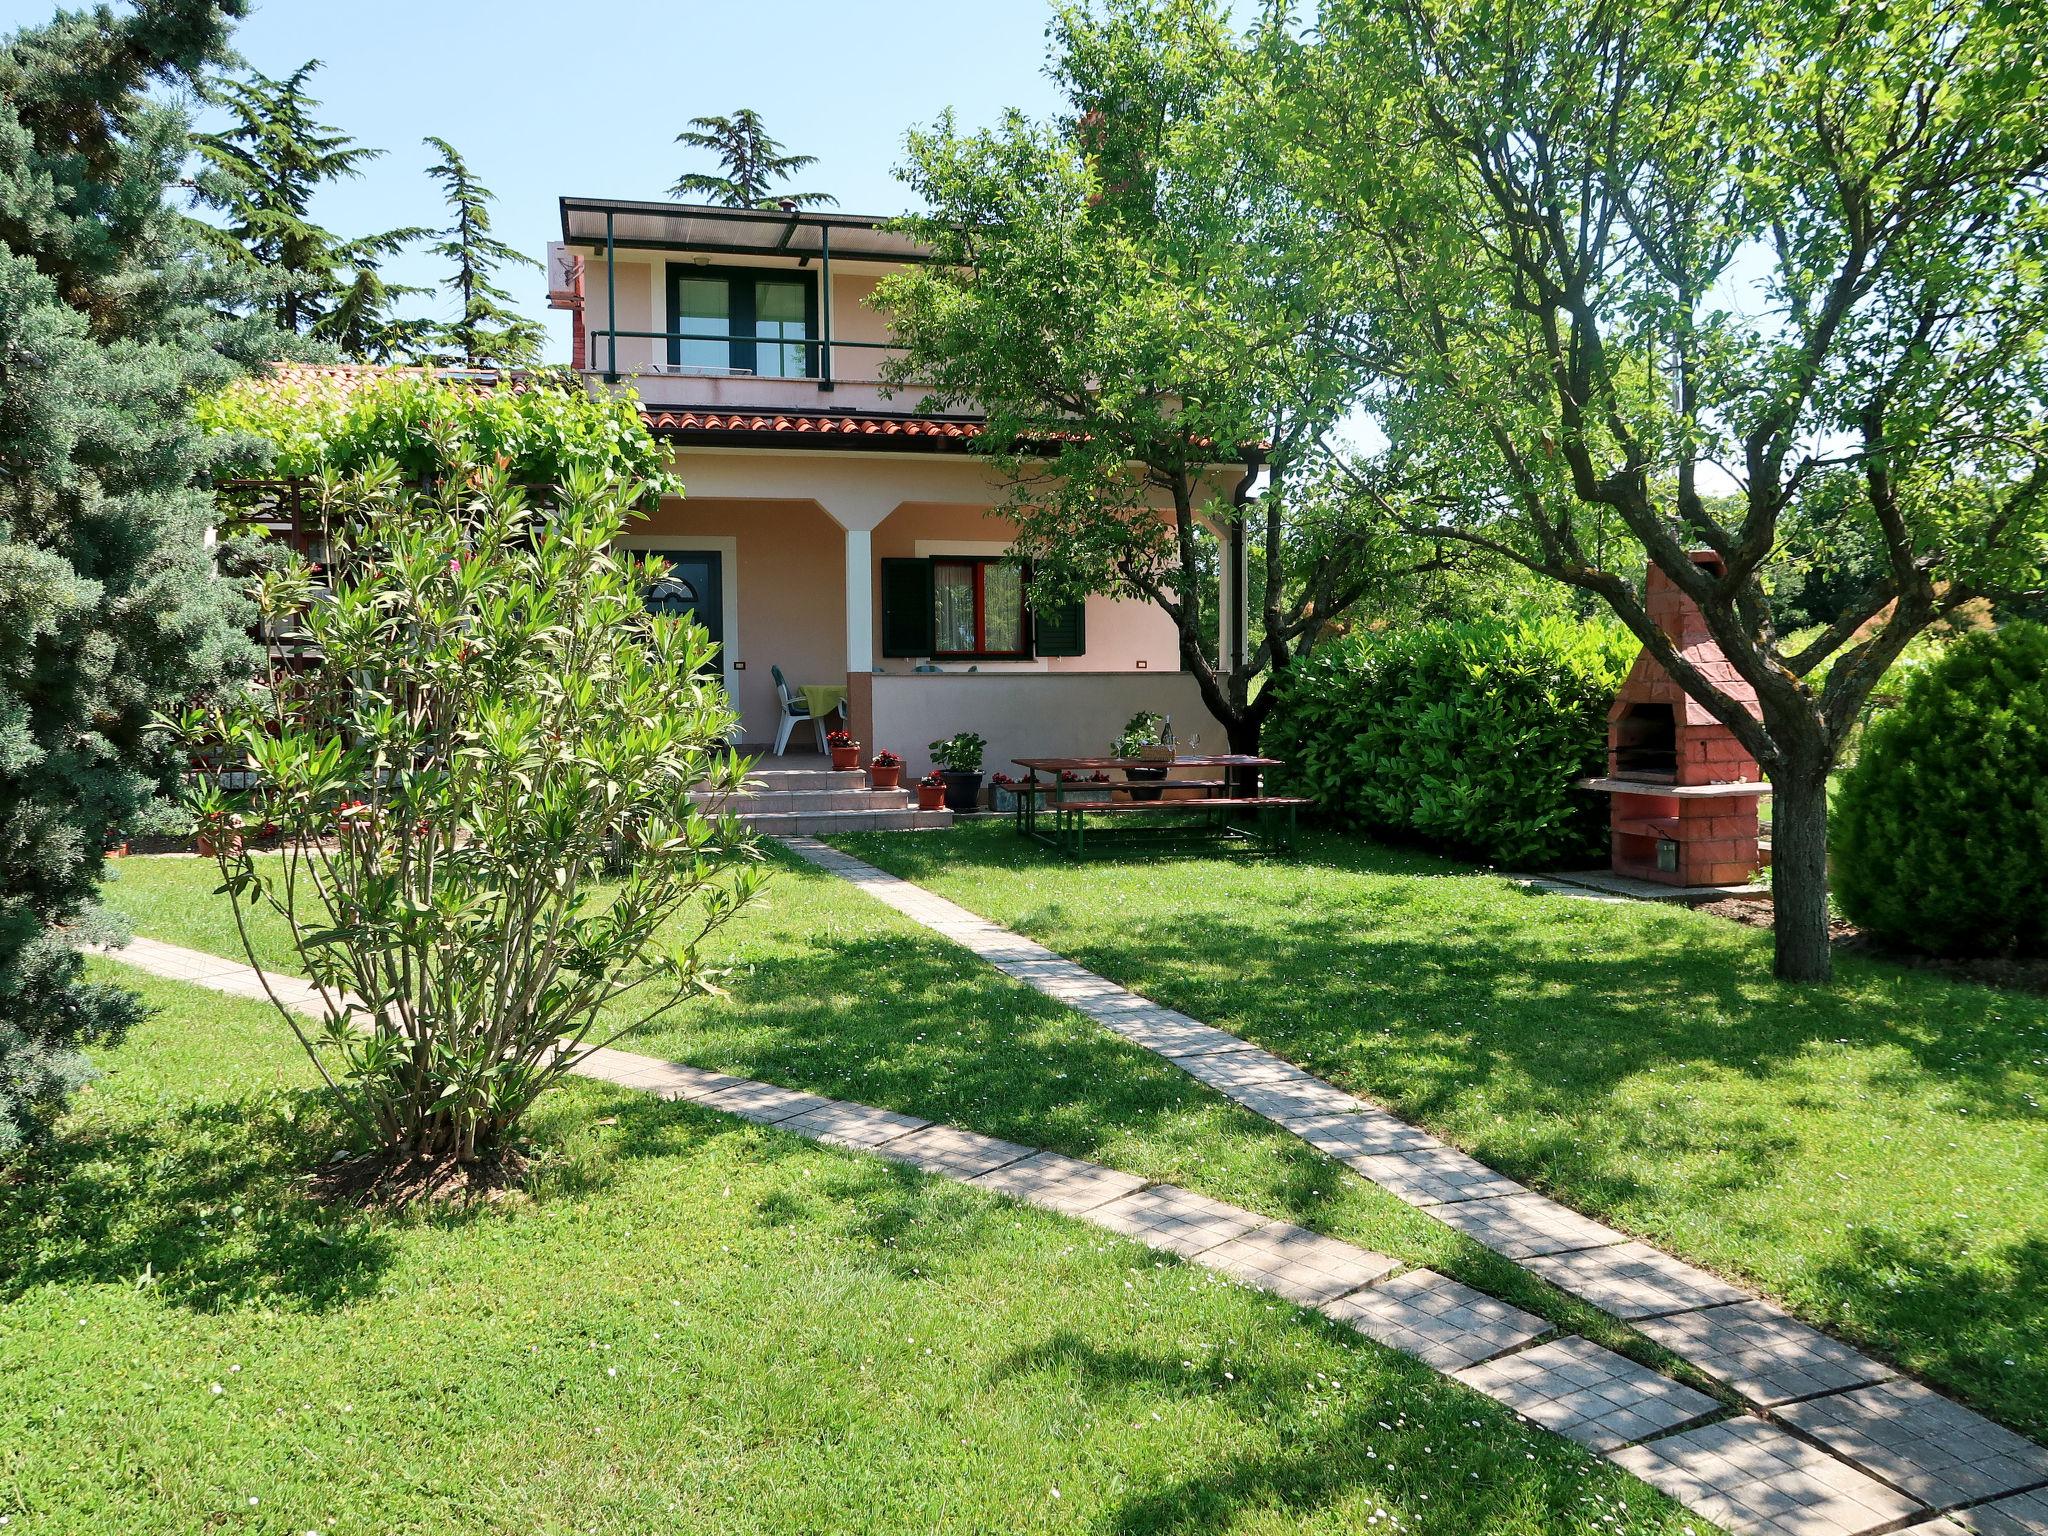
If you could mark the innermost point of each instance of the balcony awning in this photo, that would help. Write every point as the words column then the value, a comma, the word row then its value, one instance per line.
column 733, row 231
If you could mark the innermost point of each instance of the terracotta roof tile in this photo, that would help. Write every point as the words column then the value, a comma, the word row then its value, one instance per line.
column 835, row 424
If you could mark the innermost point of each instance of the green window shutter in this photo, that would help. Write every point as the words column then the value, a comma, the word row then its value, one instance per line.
column 906, row 607
column 1060, row 629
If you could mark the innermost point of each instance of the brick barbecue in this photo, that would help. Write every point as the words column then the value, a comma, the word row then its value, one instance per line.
column 1685, row 791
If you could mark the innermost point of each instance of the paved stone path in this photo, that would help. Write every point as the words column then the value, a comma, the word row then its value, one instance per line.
column 1837, row 1447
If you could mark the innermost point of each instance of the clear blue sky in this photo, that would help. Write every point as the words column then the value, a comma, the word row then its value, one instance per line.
column 585, row 97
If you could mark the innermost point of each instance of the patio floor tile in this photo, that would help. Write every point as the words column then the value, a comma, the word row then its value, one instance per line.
column 1175, row 1220
column 1759, row 1481
column 1059, row 1183
column 1634, row 1280
column 1296, row 1263
column 1519, row 1226
column 1593, row 1395
column 958, row 1154
column 1938, row 1451
column 1434, row 1318
column 1762, row 1353
column 1434, row 1176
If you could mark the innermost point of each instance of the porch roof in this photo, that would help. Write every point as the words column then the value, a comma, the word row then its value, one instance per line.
column 733, row 231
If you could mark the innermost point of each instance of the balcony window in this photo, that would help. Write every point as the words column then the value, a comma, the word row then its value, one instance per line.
column 743, row 322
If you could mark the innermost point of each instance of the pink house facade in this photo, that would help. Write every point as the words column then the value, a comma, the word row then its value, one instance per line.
column 827, row 530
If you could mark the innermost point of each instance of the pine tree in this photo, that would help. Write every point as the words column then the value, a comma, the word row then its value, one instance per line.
column 487, row 333
column 753, row 163
column 109, row 324
column 261, row 175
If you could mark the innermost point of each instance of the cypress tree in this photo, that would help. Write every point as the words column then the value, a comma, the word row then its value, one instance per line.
column 109, row 607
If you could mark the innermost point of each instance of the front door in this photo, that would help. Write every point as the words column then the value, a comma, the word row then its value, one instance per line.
column 693, row 588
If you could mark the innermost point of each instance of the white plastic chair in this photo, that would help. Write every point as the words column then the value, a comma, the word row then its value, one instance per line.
column 795, row 708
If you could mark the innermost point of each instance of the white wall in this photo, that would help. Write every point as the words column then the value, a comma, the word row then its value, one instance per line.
column 1032, row 714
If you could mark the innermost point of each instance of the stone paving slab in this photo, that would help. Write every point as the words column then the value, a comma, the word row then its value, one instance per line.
column 1434, row 1318
column 1435, row 1176
column 953, row 1153
column 1055, row 1182
column 1594, row 1396
column 1175, row 1220
column 1522, row 1226
column 1177, row 1037
column 673, row 1080
column 1371, row 1132
column 2024, row 1514
column 1763, row 1354
column 854, row 1126
column 1296, row 1263
column 763, row 1103
column 1758, row 1480
column 1916, row 1440
column 1634, row 1280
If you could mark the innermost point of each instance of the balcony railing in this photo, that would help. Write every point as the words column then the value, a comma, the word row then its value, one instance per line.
column 817, row 352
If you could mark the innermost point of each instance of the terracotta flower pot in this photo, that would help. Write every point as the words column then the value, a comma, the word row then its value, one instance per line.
column 209, row 847
column 885, row 775
column 931, row 797
column 845, row 758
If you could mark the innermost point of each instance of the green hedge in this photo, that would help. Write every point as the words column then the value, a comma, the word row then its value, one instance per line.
column 1466, row 735
column 1939, row 832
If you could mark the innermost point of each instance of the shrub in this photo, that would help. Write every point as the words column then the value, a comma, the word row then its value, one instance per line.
column 496, row 719
column 1939, row 832
column 1466, row 735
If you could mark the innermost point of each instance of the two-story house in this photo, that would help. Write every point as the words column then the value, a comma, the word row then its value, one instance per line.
column 828, row 530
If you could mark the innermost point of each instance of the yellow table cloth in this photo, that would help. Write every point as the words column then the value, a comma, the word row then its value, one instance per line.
column 823, row 698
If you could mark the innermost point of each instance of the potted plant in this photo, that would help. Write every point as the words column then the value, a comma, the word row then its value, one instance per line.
column 931, row 793
column 959, row 763
column 845, row 751
column 885, row 771
column 1141, row 739
column 218, row 837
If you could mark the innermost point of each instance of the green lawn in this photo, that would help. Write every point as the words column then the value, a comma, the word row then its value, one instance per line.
column 692, row 1325
column 834, row 993
column 1875, row 1154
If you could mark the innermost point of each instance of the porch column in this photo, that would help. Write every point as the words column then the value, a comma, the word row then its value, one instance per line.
column 860, row 601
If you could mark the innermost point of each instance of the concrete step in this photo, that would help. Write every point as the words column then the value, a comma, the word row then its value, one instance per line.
column 810, row 800
column 776, row 780
column 825, row 823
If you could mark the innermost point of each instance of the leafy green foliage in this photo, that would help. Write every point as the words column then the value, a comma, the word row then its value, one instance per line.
column 262, row 174
column 1940, row 826
column 108, row 606
column 960, row 753
column 300, row 424
column 1163, row 345
column 1466, row 735
column 752, row 162
column 487, row 333
column 494, row 722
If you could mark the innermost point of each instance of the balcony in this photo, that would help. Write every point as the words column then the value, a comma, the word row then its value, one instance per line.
column 730, row 309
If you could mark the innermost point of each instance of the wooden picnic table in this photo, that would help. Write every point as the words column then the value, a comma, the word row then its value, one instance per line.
column 1231, row 803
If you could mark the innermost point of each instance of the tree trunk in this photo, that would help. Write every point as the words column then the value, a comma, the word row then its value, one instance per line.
column 1243, row 733
column 1799, row 873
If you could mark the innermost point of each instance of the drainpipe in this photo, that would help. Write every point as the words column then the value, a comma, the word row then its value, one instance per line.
column 824, row 306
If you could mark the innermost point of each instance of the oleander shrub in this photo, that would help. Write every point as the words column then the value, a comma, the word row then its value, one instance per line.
column 1939, row 832
column 493, row 853
column 1465, row 735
